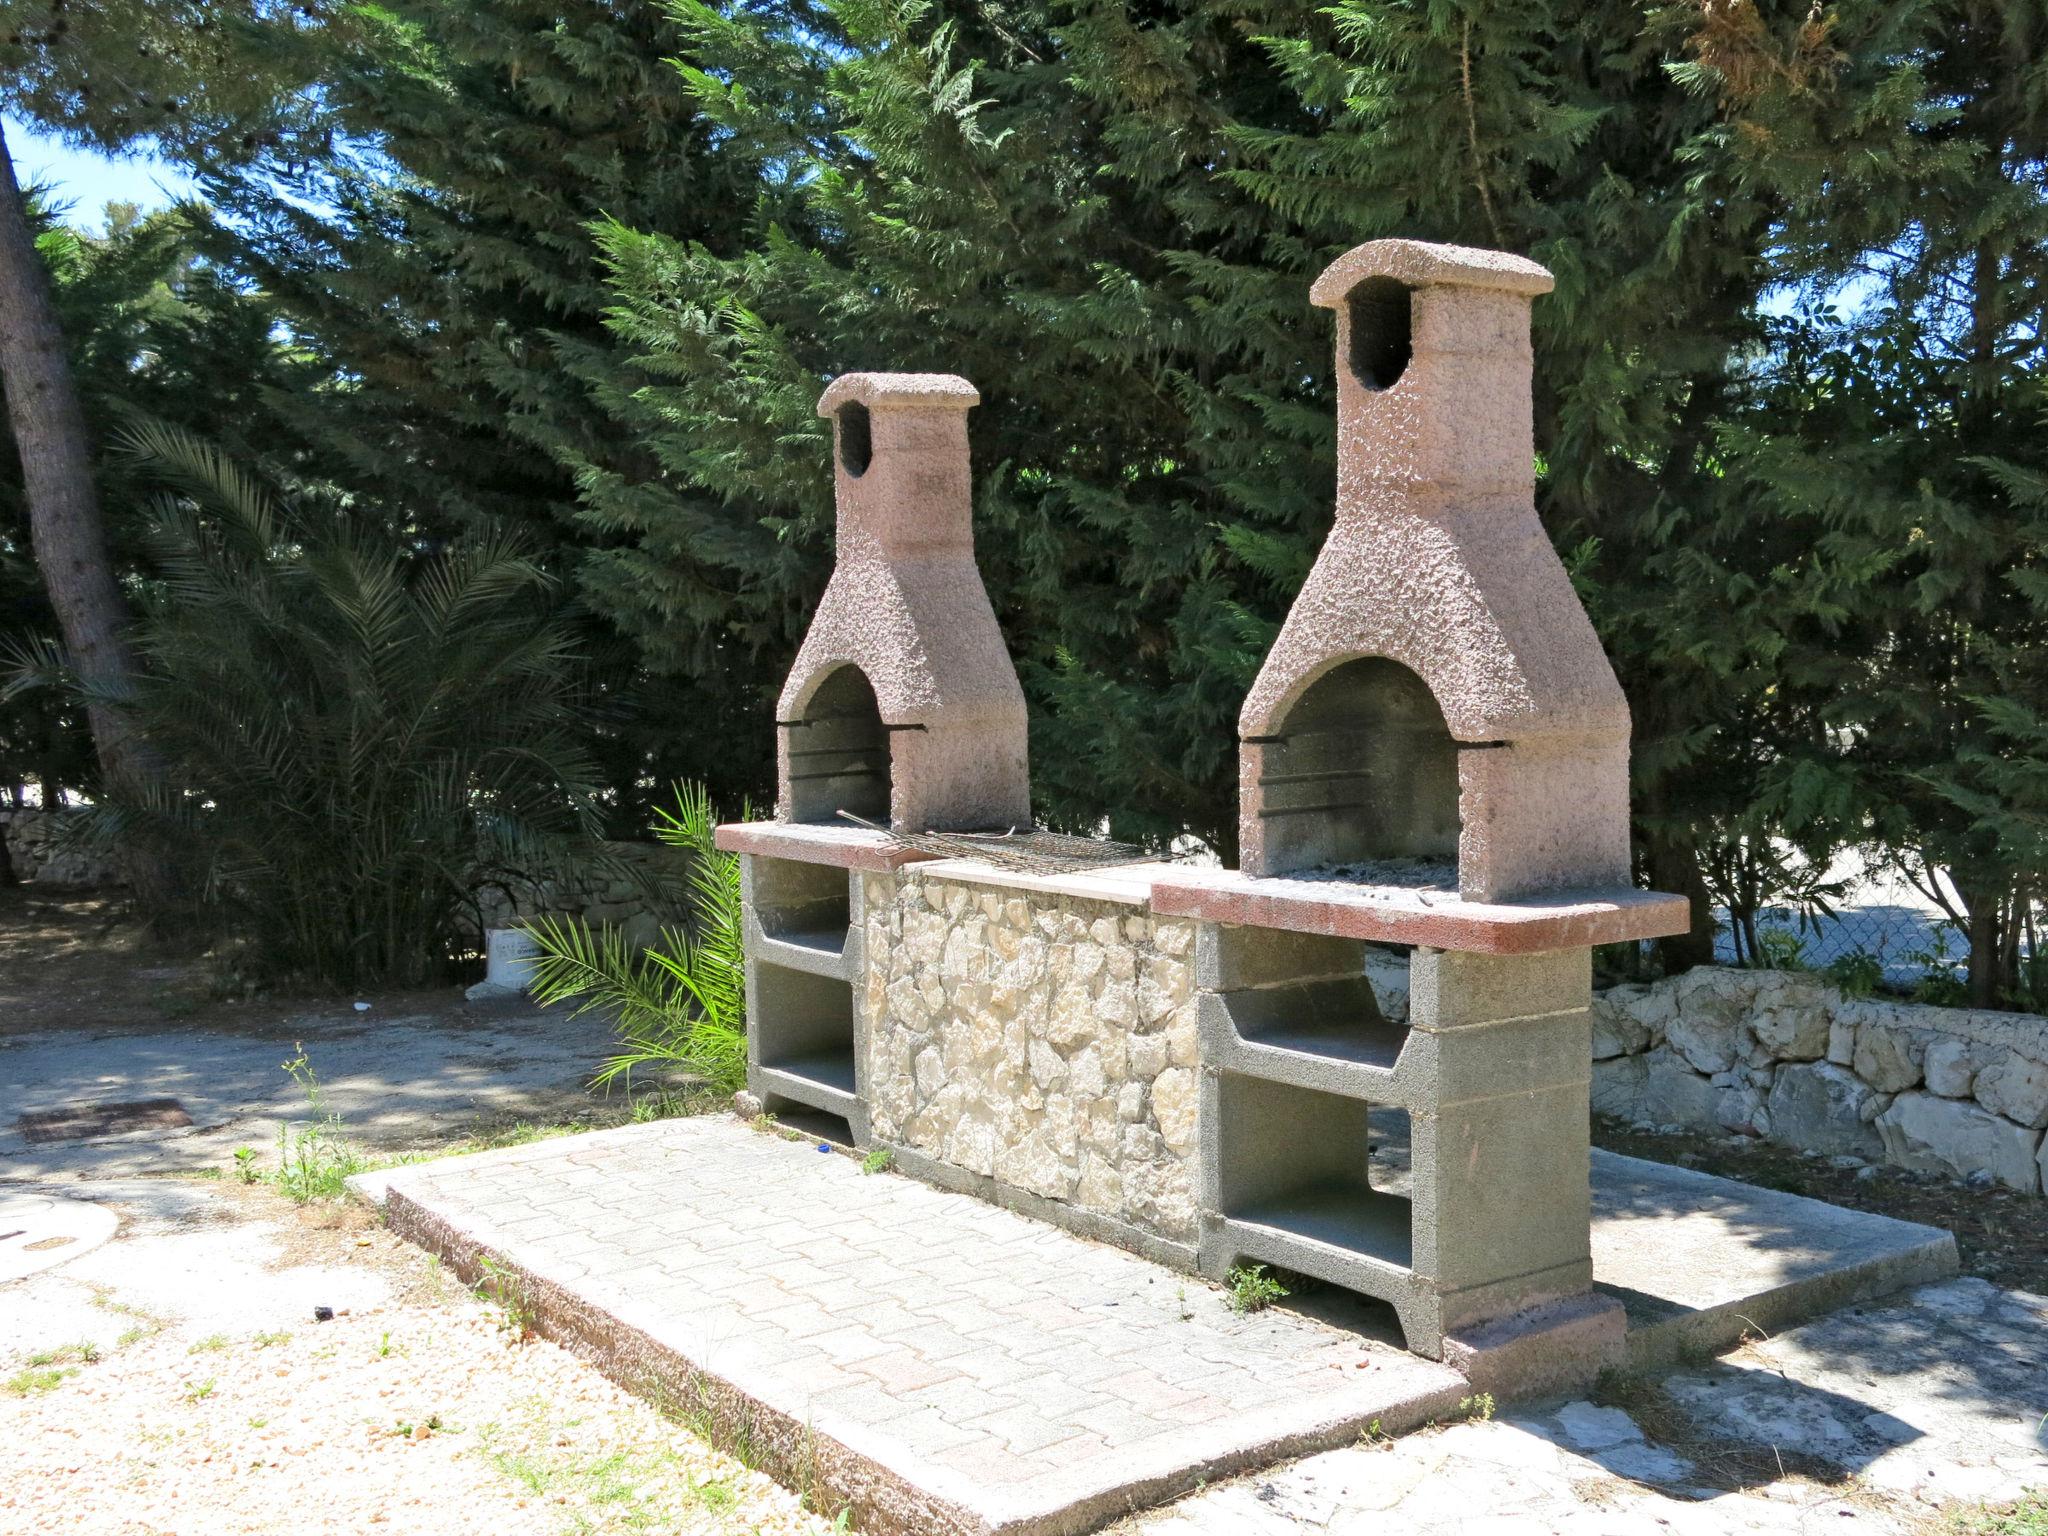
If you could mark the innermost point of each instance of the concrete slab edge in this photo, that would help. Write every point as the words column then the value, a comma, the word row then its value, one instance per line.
column 829, row 1476
column 1712, row 1330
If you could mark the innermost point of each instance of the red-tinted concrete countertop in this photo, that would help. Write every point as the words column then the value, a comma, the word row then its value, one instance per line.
column 1393, row 914
column 808, row 843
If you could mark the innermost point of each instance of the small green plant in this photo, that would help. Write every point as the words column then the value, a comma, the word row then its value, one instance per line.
column 1252, row 1289
column 1479, row 1406
column 1944, row 980
column 36, row 1379
column 199, row 1392
column 681, row 1004
column 314, row 1161
column 502, row 1288
column 208, row 1345
column 245, row 1165
column 85, row 1352
column 271, row 1340
column 878, row 1160
column 1857, row 974
column 2027, row 1517
column 715, row 1494
column 384, row 1346
column 1780, row 949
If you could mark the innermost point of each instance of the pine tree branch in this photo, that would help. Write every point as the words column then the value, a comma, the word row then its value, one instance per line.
column 1472, row 131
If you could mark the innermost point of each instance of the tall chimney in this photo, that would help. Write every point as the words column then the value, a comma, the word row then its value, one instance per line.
column 1437, row 692
column 903, row 704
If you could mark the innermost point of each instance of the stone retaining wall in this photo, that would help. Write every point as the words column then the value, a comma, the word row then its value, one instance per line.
column 34, row 849
column 1783, row 1056
column 1042, row 1040
column 595, row 899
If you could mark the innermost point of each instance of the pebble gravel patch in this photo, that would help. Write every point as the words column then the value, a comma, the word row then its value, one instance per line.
column 425, row 1414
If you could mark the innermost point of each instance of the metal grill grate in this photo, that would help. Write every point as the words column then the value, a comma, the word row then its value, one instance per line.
column 1033, row 851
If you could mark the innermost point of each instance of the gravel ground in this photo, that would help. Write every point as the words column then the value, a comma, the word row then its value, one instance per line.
column 171, row 1407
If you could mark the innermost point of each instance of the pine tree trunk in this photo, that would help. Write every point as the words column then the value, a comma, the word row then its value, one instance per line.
column 1986, row 974
column 1676, row 868
column 65, row 526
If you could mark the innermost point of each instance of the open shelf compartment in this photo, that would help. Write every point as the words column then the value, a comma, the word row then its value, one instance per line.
column 803, row 1037
column 1296, row 1165
column 1300, row 1009
column 799, row 914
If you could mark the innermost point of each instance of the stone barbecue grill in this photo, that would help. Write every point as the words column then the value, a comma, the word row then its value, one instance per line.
column 1195, row 1063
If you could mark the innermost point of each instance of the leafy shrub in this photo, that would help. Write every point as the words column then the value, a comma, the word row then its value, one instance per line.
column 1857, row 974
column 359, row 730
column 681, row 1003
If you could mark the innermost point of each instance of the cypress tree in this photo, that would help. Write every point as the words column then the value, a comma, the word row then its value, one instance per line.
column 438, row 259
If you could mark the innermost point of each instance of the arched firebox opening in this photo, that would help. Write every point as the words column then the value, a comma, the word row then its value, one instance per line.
column 1362, row 771
column 839, row 752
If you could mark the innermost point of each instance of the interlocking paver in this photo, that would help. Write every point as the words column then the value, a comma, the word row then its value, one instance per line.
column 956, row 1366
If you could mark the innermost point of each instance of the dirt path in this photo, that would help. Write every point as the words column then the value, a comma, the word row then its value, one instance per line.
column 175, row 1380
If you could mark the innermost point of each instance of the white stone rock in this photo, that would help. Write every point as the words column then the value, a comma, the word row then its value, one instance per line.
column 1791, row 1019
column 2016, row 1088
column 1951, row 1068
column 1817, row 1106
column 1174, row 1097
column 1842, row 1042
column 1616, row 1031
column 1146, row 1056
column 1889, row 1060
column 1047, row 1069
column 1587, row 1427
column 930, row 1069
column 1117, row 1003
column 1956, row 1138
column 1709, row 1028
column 1130, row 1103
column 1072, row 1017
column 1618, row 1084
column 1674, row 1094
column 1086, row 1078
column 1387, row 972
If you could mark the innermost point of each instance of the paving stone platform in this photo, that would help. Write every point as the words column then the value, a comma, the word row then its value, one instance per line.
column 940, row 1365
column 936, row 1363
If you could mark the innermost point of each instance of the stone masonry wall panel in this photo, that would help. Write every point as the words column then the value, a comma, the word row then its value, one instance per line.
column 1044, row 1041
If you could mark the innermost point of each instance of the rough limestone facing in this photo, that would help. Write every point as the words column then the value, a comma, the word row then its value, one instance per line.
column 1785, row 1056
column 1044, row 1041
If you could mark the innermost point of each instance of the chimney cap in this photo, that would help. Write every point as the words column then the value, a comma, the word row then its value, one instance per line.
column 1420, row 264
column 881, row 391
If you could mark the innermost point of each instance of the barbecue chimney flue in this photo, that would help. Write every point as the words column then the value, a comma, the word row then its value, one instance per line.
column 902, row 706
column 1437, row 696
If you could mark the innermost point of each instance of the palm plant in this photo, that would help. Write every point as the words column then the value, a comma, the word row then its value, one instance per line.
column 682, row 1003
column 358, row 731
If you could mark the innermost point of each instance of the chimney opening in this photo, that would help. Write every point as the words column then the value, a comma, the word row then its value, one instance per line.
column 1363, row 771
column 1381, row 343
column 856, row 438
column 839, row 752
